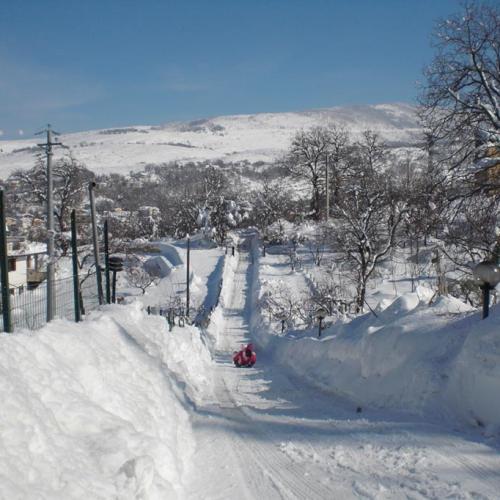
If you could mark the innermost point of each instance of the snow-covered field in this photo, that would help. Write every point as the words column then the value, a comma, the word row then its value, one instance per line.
column 259, row 137
column 403, row 405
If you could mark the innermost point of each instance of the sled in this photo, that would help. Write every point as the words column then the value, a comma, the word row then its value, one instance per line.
column 245, row 357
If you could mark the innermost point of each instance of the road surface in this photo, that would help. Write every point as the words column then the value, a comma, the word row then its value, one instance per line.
column 267, row 435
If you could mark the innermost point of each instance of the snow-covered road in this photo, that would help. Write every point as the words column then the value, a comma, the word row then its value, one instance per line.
column 266, row 434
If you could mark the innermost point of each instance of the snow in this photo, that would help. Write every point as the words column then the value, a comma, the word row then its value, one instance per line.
column 475, row 375
column 259, row 137
column 275, row 436
column 170, row 252
column 92, row 410
column 158, row 266
column 399, row 405
column 412, row 356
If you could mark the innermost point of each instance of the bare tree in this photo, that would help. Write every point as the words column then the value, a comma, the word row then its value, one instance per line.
column 369, row 213
column 271, row 204
column 339, row 151
column 461, row 99
column 70, row 189
column 371, row 151
column 329, row 294
column 279, row 301
column 306, row 160
column 471, row 233
column 137, row 276
column 317, row 243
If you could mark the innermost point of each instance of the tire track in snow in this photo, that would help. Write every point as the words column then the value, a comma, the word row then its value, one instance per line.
column 283, row 474
column 480, row 467
column 262, row 457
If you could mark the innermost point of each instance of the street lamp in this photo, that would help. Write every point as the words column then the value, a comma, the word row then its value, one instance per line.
column 228, row 242
column 488, row 274
column 320, row 315
column 265, row 241
column 283, row 316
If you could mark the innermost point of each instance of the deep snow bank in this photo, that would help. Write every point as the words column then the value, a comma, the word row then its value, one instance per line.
column 216, row 325
column 93, row 410
column 437, row 359
column 474, row 378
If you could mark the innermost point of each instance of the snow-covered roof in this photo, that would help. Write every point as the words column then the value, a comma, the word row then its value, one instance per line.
column 158, row 266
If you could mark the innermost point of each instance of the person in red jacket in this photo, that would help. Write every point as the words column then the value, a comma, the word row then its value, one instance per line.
column 245, row 357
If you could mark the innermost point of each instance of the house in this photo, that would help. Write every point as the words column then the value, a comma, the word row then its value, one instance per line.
column 488, row 174
column 24, row 269
column 119, row 214
column 147, row 211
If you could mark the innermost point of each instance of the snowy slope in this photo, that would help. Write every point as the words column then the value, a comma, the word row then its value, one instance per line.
column 259, row 137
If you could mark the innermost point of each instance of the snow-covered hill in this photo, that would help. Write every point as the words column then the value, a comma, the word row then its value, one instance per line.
column 259, row 137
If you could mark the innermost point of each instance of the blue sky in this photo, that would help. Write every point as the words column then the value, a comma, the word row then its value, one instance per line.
column 92, row 64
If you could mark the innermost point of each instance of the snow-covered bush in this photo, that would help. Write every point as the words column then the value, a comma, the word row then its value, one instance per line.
column 138, row 276
column 279, row 302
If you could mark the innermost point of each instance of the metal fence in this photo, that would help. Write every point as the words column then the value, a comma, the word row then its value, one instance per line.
column 89, row 296
column 29, row 306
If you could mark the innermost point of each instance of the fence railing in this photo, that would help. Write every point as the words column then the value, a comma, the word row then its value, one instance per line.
column 176, row 315
column 42, row 297
column 28, row 307
column 89, row 297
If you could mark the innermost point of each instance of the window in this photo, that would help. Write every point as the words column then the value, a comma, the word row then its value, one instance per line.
column 12, row 264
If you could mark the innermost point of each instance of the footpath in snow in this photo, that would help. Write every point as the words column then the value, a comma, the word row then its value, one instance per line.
column 266, row 433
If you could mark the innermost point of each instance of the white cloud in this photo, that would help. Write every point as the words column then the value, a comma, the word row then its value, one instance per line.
column 20, row 131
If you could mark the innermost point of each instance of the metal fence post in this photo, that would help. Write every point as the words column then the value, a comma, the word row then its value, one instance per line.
column 74, row 258
column 114, row 288
column 106, row 262
column 4, row 265
column 92, row 185
column 187, row 273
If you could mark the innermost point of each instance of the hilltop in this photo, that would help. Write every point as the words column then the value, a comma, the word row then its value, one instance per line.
column 257, row 137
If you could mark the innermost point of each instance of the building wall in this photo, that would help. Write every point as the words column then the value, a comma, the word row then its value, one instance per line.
column 18, row 277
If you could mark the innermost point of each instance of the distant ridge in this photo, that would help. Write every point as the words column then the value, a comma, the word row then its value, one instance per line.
column 255, row 137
